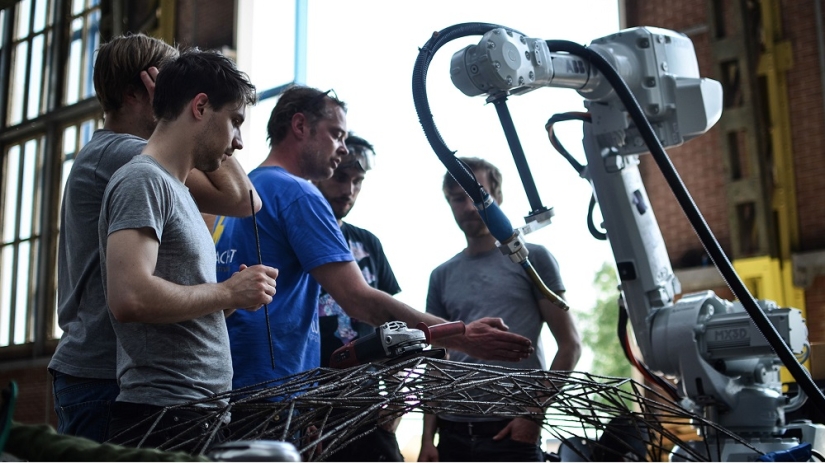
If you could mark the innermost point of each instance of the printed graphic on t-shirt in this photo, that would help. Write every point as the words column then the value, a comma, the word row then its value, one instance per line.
column 360, row 253
column 327, row 307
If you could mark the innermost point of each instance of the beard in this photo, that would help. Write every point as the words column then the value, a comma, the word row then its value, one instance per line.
column 148, row 125
column 313, row 164
column 473, row 227
column 208, row 156
column 205, row 159
column 341, row 211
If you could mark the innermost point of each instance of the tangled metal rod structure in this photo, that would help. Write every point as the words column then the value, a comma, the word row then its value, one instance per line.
column 321, row 410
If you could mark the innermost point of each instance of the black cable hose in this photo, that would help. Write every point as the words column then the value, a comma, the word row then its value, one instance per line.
column 554, row 140
column 621, row 331
column 577, row 166
column 422, row 104
column 711, row 245
column 591, row 226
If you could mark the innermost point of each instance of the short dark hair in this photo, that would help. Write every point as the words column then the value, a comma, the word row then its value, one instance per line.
column 119, row 63
column 477, row 165
column 308, row 101
column 196, row 71
column 355, row 140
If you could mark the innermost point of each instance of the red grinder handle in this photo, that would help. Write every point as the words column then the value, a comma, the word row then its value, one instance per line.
column 441, row 330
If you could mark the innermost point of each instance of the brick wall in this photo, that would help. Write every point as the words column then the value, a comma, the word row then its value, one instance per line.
column 208, row 24
column 699, row 161
column 808, row 138
column 807, row 121
column 34, row 402
column 815, row 299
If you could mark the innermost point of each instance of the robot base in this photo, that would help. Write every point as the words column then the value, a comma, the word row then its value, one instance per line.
column 729, row 450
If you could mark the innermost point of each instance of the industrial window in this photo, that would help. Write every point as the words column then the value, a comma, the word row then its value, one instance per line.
column 48, row 112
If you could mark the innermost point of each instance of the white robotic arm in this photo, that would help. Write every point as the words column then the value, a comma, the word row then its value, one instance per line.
column 725, row 367
column 660, row 67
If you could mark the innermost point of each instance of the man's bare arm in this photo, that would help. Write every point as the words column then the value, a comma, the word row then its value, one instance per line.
column 224, row 191
column 563, row 329
column 345, row 283
column 485, row 339
column 135, row 294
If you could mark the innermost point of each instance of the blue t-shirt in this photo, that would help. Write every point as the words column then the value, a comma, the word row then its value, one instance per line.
column 298, row 233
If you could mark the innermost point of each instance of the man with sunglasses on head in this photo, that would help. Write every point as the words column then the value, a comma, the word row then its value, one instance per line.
column 297, row 233
column 337, row 327
column 341, row 191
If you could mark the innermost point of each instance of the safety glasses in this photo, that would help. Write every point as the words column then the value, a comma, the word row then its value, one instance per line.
column 358, row 156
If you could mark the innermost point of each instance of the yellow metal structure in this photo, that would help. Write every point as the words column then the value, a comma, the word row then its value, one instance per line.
column 165, row 15
column 765, row 276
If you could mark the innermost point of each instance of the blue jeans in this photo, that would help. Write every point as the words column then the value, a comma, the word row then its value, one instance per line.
column 458, row 446
column 83, row 405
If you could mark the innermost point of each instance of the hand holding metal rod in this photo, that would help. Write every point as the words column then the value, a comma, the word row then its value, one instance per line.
column 260, row 261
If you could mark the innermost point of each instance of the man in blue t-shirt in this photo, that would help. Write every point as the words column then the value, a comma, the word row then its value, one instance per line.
column 298, row 235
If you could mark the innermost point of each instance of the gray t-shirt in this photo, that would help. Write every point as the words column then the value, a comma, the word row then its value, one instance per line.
column 166, row 364
column 468, row 288
column 87, row 347
column 490, row 285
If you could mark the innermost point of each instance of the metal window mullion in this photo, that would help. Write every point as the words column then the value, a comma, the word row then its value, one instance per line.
column 88, row 108
column 5, row 66
column 15, row 245
column 5, row 77
column 35, row 241
column 44, row 70
column 84, row 48
column 58, row 51
column 29, row 39
column 52, row 170
column 30, row 311
column 47, row 248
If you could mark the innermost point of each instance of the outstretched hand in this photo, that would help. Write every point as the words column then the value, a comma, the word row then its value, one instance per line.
column 488, row 339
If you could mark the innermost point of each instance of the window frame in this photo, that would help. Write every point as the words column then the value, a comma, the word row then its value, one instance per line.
column 48, row 127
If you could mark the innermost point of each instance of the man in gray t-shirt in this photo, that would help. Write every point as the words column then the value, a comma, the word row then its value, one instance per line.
column 158, row 259
column 480, row 281
column 84, row 363
column 143, row 195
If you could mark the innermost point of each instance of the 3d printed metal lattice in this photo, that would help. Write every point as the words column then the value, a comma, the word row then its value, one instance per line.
column 616, row 417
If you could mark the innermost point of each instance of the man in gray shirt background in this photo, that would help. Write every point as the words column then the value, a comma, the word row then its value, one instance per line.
column 480, row 281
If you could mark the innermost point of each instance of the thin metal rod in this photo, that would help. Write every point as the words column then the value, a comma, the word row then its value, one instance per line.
column 260, row 261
